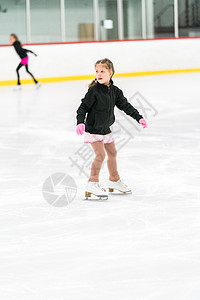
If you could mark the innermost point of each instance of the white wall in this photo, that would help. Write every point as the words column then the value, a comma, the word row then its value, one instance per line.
column 78, row 59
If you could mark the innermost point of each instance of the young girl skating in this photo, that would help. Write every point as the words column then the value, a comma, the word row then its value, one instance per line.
column 24, row 59
column 98, row 104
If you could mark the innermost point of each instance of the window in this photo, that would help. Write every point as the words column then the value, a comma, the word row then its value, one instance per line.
column 162, row 18
column 79, row 20
column 108, row 19
column 12, row 20
column 45, row 21
column 189, row 18
column 132, row 16
column 87, row 20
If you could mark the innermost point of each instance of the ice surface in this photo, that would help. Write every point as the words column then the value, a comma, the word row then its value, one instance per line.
column 143, row 246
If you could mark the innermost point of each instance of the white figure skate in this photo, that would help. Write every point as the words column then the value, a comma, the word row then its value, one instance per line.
column 37, row 85
column 119, row 186
column 17, row 88
column 95, row 192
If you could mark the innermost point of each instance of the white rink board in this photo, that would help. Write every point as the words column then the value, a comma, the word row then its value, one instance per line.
column 78, row 59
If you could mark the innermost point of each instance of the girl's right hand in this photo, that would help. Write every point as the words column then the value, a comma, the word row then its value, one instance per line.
column 80, row 128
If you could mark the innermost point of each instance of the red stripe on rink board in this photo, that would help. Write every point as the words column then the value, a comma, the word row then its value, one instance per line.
column 111, row 41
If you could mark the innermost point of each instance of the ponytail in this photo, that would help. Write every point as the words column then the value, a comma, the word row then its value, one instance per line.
column 94, row 82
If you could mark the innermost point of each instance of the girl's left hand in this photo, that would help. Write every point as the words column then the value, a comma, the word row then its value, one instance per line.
column 143, row 123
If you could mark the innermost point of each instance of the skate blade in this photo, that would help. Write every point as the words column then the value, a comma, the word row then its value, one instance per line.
column 17, row 89
column 90, row 196
column 37, row 86
column 111, row 190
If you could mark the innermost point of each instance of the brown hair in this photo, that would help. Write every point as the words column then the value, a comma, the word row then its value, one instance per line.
column 108, row 65
column 15, row 36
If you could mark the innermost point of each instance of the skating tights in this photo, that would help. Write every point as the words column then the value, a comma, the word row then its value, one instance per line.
column 27, row 70
column 100, row 150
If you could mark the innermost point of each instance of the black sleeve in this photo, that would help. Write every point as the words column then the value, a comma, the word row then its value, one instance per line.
column 86, row 104
column 123, row 104
column 28, row 51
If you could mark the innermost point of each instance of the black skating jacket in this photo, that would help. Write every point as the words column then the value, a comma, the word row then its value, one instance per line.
column 98, row 104
column 21, row 51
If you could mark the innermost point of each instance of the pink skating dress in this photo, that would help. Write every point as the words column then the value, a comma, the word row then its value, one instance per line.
column 91, row 138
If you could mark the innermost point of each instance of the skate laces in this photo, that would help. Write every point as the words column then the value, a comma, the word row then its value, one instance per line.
column 122, row 183
column 98, row 185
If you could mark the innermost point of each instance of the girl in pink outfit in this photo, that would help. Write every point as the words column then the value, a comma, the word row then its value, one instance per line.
column 95, row 115
column 24, row 58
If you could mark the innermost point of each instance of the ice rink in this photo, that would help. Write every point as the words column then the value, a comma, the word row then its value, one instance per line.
column 141, row 246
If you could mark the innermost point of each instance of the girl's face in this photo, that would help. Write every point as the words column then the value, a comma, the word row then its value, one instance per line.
column 103, row 75
column 12, row 39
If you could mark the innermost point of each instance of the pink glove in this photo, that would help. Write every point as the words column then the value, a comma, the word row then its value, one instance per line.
column 80, row 128
column 143, row 123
